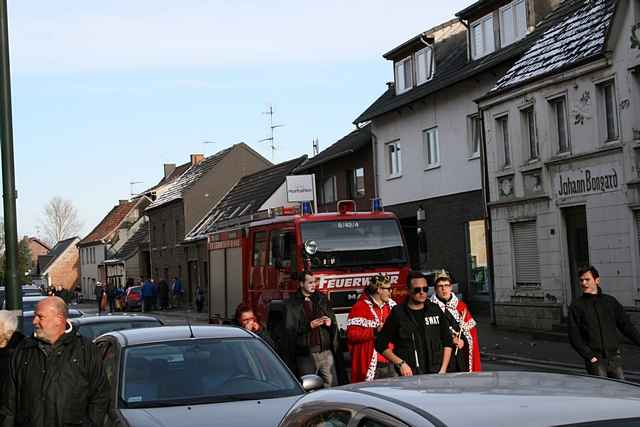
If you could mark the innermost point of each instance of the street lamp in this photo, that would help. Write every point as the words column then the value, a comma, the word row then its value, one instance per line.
column 421, row 215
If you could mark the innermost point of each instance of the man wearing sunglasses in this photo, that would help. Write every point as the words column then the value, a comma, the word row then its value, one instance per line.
column 422, row 343
column 366, row 318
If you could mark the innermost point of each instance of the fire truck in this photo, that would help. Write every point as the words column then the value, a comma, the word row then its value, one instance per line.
column 256, row 262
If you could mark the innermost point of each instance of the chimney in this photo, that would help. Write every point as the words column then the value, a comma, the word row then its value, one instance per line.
column 390, row 85
column 169, row 168
column 123, row 202
column 196, row 159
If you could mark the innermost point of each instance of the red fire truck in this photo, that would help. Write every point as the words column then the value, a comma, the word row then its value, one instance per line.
column 254, row 262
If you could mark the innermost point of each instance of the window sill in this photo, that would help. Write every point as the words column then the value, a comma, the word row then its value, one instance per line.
column 432, row 167
column 504, row 172
column 474, row 157
column 530, row 166
column 392, row 177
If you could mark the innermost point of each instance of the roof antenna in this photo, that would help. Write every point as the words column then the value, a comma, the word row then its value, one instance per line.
column 191, row 335
column 316, row 147
column 271, row 139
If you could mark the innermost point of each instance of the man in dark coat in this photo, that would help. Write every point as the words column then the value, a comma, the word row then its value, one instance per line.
column 311, row 332
column 163, row 293
column 56, row 377
column 9, row 340
column 594, row 321
column 419, row 332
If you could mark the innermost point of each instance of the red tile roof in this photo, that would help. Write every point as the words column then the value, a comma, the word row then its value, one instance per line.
column 110, row 222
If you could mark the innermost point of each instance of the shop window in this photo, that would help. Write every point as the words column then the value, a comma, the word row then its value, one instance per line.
column 524, row 239
column 260, row 249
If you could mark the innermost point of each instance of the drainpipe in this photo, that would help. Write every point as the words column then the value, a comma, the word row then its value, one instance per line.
column 374, row 151
column 487, row 211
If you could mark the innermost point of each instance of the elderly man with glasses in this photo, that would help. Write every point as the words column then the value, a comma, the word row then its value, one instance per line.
column 366, row 318
column 466, row 357
column 419, row 332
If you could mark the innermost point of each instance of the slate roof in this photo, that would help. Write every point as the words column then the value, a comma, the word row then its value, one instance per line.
column 246, row 197
column 177, row 173
column 351, row 143
column 578, row 37
column 452, row 65
column 55, row 252
column 177, row 188
column 131, row 246
column 110, row 222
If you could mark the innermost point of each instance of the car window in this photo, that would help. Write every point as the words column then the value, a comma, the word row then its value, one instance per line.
column 333, row 418
column 97, row 329
column 203, row 371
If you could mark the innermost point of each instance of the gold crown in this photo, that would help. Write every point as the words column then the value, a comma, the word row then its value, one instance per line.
column 381, row 279
column 441, row 275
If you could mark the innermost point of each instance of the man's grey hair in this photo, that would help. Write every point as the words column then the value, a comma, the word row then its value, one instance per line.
column 8, row 322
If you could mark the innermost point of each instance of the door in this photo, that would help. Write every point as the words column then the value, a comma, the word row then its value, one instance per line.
column 575, row 219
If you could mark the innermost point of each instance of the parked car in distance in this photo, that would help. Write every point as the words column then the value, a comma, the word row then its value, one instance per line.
column 133, row 298
column 94, row 326
column 522, row 399
column 27, row 320
column 197, row 376
column 27, row 291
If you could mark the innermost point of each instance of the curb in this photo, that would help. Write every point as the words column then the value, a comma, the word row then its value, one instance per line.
column 536, row 362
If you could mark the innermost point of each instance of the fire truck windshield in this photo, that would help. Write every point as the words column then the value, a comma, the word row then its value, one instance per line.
column 356, row 242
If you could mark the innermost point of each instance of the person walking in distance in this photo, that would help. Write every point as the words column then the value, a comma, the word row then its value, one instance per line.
column 56, row 377
column 147, row 295
column 178, row 291
column 98, row 290
column 466, row 356
column 311, row 332
column 422, row 343
column 597, row 322
column 365, row 320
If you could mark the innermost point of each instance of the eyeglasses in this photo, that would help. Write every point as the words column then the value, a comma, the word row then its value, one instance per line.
column 419, row 289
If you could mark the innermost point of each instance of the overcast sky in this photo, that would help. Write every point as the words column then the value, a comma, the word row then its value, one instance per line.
column 105, row 92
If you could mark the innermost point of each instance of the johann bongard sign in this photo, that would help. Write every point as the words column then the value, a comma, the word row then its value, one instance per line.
column 588, row 180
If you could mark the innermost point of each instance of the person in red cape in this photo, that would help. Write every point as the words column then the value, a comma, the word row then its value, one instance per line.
column 461, row 324
column 365, row 320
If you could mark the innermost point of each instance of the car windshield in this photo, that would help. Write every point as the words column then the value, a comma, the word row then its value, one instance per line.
column 96, row 329
column 203, row 371
column 355, row 242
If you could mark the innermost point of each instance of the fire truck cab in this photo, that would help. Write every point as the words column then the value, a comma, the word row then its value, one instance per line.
column 257, row 263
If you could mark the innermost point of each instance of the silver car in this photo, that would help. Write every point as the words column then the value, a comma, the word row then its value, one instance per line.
column 199, row 376
column 509, row 399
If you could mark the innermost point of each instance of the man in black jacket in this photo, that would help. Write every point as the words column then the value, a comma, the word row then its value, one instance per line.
column 56, row 376
column 311, row 332
column 594, row 321
column 419, row 333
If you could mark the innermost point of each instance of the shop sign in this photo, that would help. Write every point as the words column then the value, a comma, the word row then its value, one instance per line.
column 588, row 180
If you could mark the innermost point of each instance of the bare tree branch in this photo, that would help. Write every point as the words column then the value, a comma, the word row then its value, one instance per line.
column 60, row 220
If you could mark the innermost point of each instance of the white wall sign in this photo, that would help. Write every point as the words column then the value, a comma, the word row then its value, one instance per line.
column 300, row 188
column 588, row 180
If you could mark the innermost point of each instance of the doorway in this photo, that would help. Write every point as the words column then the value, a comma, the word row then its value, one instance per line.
column 575, row 219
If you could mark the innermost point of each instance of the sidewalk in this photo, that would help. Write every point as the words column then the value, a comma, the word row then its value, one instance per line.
column 539, row 347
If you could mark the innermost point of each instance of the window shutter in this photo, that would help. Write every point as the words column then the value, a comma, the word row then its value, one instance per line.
column 525, row 253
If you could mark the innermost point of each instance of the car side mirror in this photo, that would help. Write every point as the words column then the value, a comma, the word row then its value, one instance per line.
column 311, row 382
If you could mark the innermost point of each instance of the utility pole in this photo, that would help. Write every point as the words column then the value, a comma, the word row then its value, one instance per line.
column 271, row 139
column 13, row 289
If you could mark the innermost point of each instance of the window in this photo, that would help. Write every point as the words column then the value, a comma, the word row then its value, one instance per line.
column 478, row 265
column 404, row 76
column 608, row 111
column 430, row 145
column 559, row 124
column 513, row 22
column 394, row 159
column 525, row 253
column 423, row 65
column 260, row 249
column 329, row 191
column 356, row 183
column 282, row 249
column 502, row 133
column 529, row 133
column 475, row 135
column 482, row 42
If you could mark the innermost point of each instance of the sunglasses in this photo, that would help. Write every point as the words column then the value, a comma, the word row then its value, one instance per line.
column 419, row 289
column 385, row 288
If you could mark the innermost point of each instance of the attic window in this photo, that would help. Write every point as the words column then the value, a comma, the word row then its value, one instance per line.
column 482, row 41
column 423, row 65
column 404, row 75
column 513, row 22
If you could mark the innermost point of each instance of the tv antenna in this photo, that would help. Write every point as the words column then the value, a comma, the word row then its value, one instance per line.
column 131, row 184
column 316, row 147
column 271, row 140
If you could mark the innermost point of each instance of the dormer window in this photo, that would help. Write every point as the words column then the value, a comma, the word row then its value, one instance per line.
column 482, row 40
column 423, row 65
column 513, row 22
column 404, row 75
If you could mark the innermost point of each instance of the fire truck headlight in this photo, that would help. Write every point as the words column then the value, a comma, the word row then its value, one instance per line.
column 310, row 247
